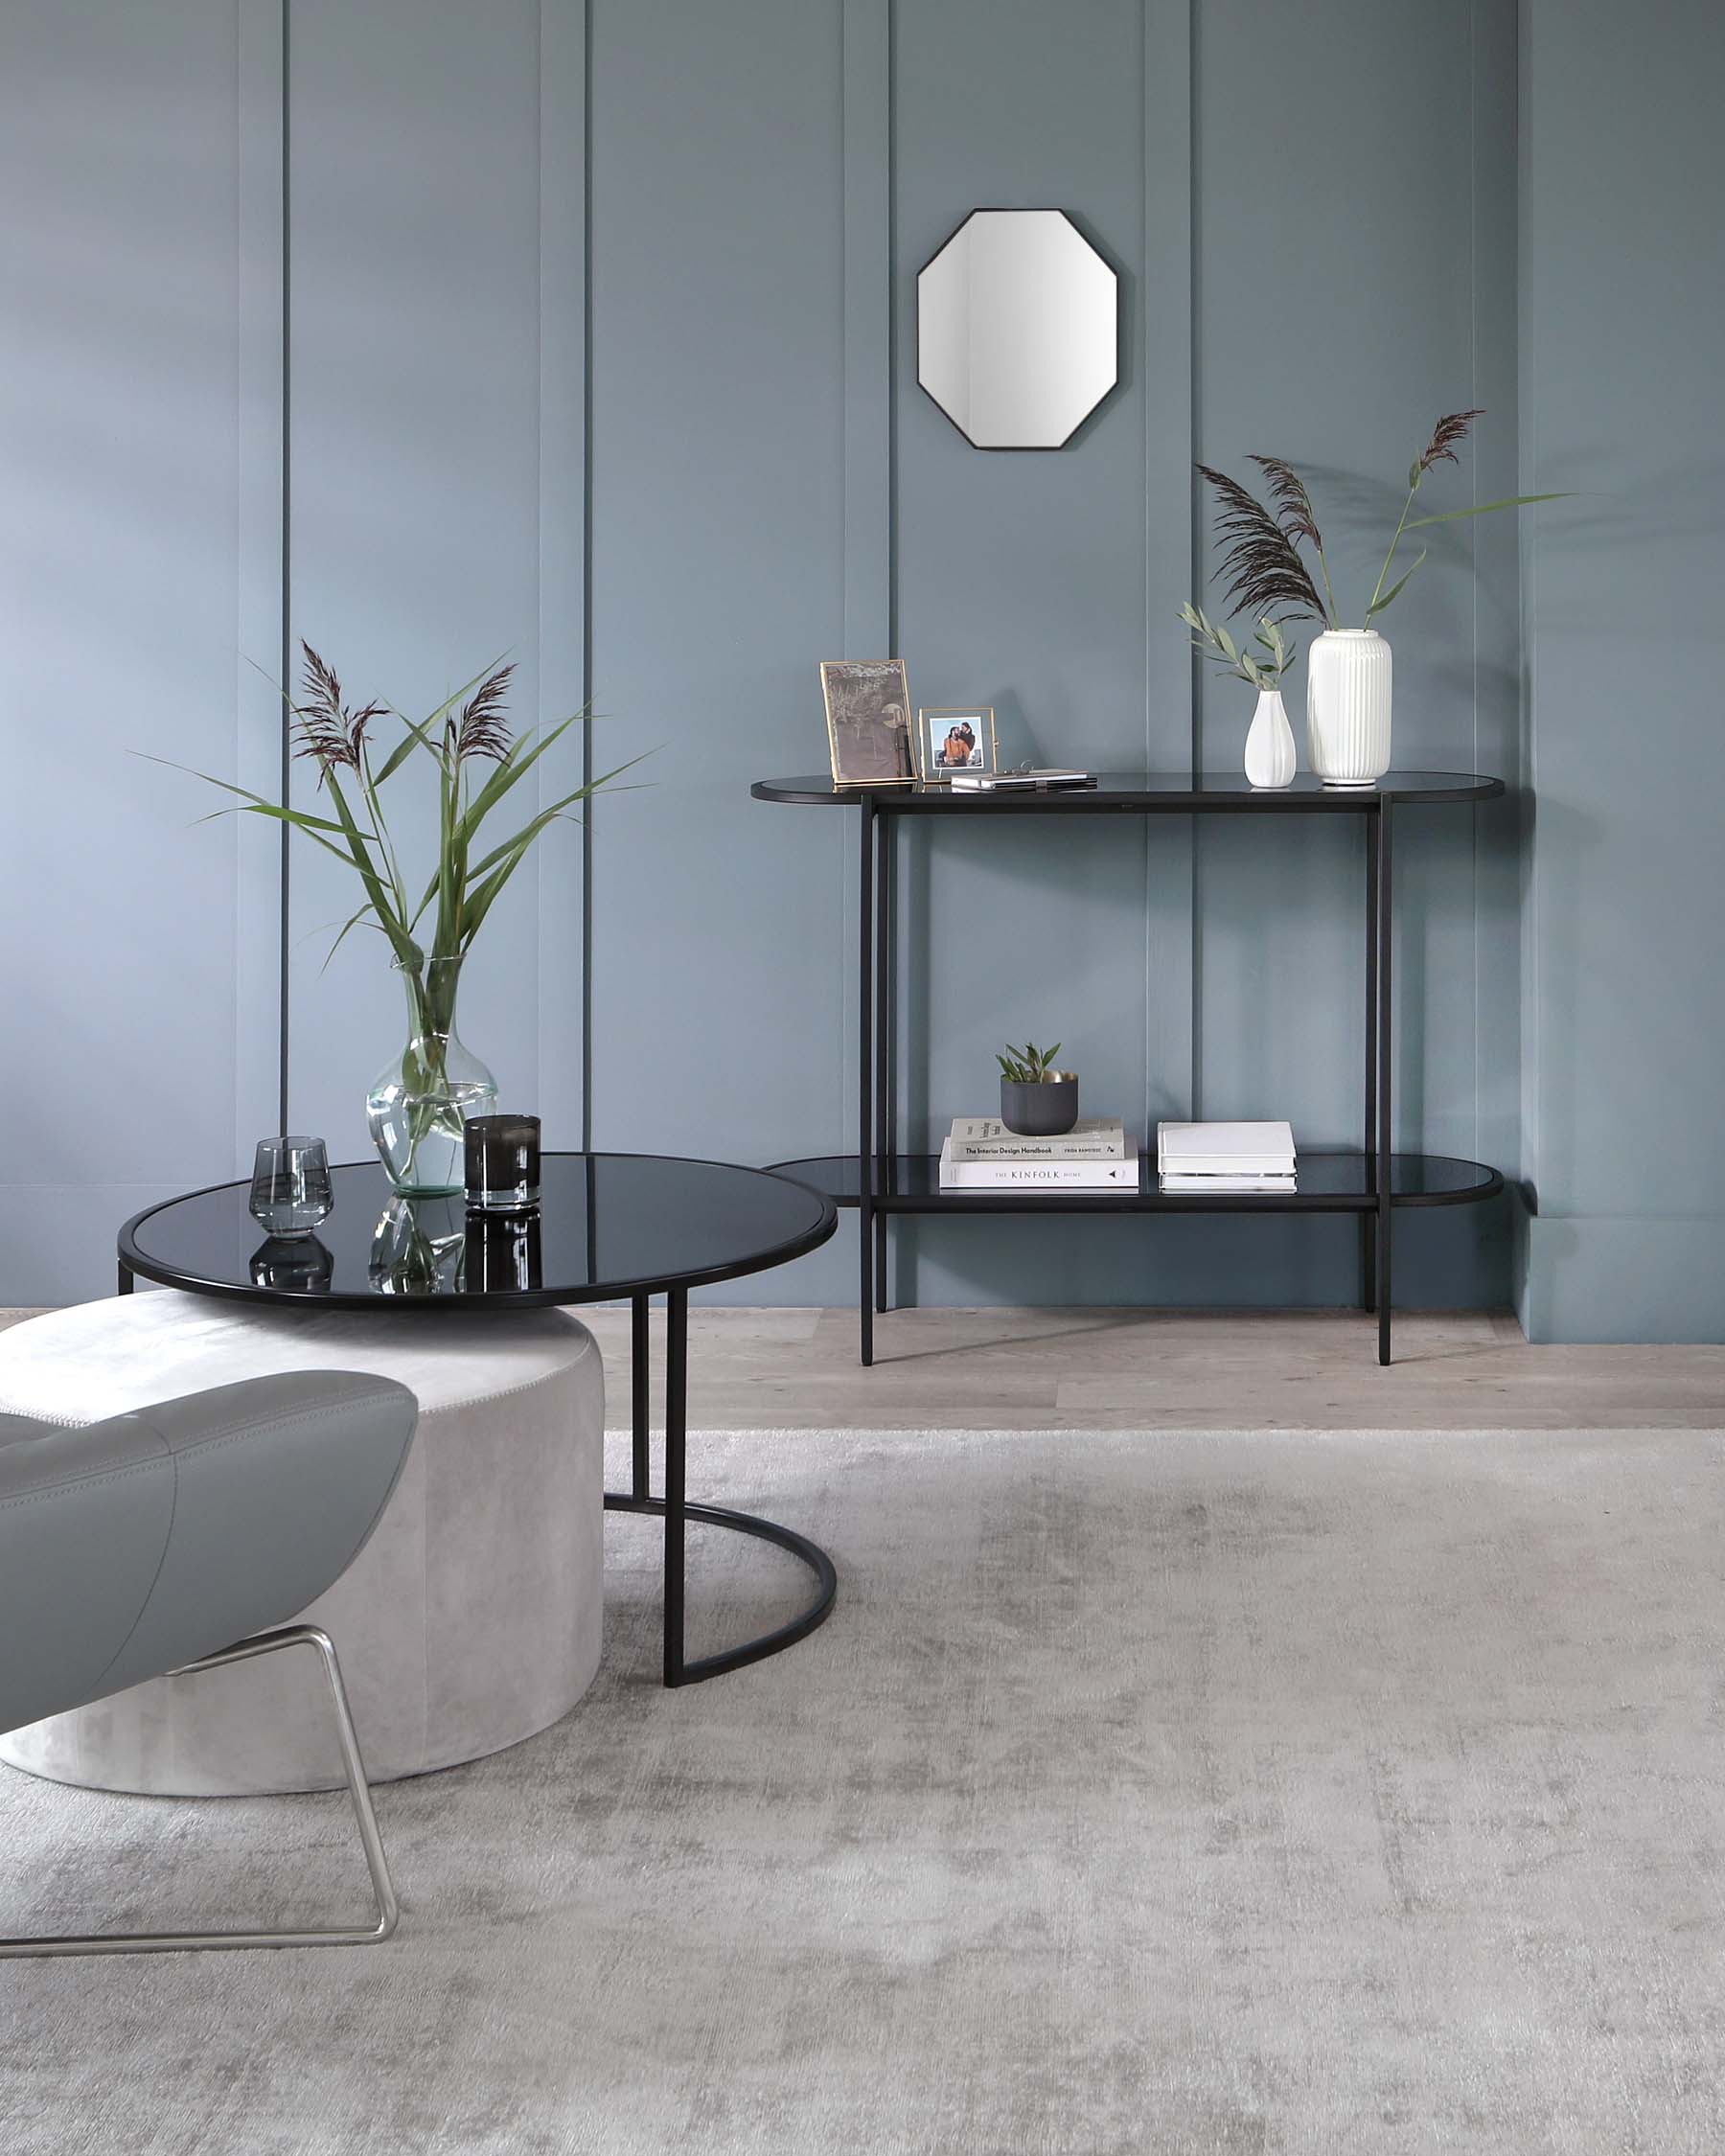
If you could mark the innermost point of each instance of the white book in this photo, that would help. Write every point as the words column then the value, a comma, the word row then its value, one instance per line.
column 1034, row 1175
column 985, row 1137
column 1216, row 1186
column 1233, row 1139
column 1225, row 1167
column 1225, row 1148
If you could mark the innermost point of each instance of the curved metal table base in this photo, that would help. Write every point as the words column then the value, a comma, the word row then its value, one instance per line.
column 675, row 1511
column 772, row 1642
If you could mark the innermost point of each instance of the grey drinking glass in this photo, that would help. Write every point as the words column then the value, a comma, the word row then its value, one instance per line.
column 290, row 1192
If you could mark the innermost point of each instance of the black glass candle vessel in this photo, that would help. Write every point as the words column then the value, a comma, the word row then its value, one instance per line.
column 502, row 1163
column 502, row 1253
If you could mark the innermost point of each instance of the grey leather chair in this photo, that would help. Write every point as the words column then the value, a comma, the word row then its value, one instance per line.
column 172, row 1540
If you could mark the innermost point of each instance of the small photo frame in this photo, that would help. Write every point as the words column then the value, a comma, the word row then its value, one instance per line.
column 956, row 740
column 868, row 721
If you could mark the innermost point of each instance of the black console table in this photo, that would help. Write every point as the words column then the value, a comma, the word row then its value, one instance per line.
column 1374, row 1183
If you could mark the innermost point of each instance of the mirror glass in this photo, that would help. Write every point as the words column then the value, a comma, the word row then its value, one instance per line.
column 1018, row 329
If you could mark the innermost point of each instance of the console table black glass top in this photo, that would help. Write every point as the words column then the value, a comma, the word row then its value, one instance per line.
column 610, row 1226
column 1372, row 1182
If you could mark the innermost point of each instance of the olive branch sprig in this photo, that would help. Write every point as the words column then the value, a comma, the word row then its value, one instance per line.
column 1262, row 669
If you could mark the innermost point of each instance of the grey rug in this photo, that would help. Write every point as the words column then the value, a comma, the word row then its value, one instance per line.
column 1188, row 1793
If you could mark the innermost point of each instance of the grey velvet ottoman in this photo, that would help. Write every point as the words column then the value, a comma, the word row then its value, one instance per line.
column 470, row 1620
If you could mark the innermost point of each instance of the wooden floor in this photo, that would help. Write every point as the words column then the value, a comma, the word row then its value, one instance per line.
column 1157, row 1370
column 1132, row 1369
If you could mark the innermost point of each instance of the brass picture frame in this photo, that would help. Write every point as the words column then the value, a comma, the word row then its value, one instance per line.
column 870, row 735
column 939, row 725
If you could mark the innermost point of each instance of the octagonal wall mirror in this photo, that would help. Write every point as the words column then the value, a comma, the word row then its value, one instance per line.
column 1018, row 329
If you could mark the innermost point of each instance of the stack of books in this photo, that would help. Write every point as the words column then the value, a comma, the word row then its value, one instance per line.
column 1219, row 1158
column 981, row 1153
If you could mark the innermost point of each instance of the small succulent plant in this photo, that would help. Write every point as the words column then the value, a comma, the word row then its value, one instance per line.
column 1028, row 1065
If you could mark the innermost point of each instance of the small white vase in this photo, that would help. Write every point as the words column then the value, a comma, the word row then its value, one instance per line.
column 1348, row 707
column 1270, row 743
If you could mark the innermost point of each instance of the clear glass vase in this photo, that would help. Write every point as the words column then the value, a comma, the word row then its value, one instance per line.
column 419, row 1247
column 419, row 1106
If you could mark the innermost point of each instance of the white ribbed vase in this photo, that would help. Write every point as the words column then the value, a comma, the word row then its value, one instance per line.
column 1270, row 743
column 1348, row 707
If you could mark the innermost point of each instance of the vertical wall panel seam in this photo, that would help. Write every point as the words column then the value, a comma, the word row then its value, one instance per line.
column 262, row 740
column 847, row 150
column 842, row 853
column 1194, row 547
column 540, row 795
column 890, row 87
column 287, row 644
column 1169, row 397
column 1147, row 945
column 841, row 1120
column 562, row 551
column 1526, row 460
column 586, row 573
column 1473, row 582
column 868, row 413
column 888, row 1019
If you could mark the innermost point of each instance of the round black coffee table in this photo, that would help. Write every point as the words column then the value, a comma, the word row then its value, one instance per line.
column 609, row 1225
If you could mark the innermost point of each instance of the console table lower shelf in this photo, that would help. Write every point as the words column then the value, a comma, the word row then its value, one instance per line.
column 1327, row 1183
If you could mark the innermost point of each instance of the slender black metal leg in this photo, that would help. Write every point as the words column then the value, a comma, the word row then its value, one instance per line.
column 677, row 1397
column 640, row 1398
column 883, row 1145
column 865, row 1084
column 126, row 1278
column 675, row 1511
column 1385, row 1073
column 1368, row 1220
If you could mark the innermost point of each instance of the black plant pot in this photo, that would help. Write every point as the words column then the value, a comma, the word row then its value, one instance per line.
column 1048, row 1109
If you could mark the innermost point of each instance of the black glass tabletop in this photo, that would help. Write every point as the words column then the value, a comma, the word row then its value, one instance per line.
column 607, row 1224
column 1171, row 792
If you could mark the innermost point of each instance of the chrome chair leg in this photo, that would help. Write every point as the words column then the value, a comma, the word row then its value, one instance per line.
column 359, row 1790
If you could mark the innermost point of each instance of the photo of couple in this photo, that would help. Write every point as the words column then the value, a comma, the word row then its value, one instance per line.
column 956, row 741
column 959, row 751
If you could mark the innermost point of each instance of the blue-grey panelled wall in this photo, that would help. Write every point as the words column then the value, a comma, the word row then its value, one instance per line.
column 141, row 408
column 1622, row 317
column 623, row 385
column 584, row 332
